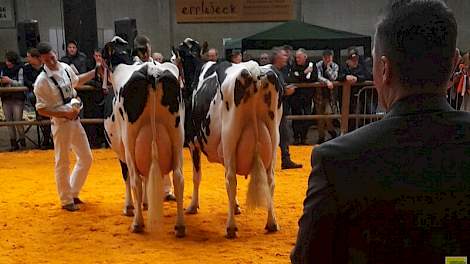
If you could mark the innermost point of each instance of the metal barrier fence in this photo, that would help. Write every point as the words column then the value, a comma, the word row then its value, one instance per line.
column 344, row 116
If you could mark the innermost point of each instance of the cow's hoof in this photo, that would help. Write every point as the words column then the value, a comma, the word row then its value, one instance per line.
column 192, row 209
column 138, row 229
column 231, row 232
column 237, row 210
column 271, row 228
column 180, row 231
column 145, row 206
column 128, row 211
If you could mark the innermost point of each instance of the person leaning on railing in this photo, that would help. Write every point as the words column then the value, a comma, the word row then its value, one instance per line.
column 31, row 70
column 13, row 103
column 327, row 71
column 354, row 71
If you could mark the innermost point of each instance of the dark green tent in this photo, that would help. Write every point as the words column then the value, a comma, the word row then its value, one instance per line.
column 310, row 37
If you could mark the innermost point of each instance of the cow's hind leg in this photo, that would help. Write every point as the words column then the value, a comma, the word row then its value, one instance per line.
column 231, row 185
column 128, row 207
column 237, row 209
column 178, row 182
column 271, row 224
column 136, row 184
column 145, row 203
column 138, row 223
column 196, row 158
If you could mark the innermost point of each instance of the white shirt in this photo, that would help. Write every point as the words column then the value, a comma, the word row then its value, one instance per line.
column 47, row 93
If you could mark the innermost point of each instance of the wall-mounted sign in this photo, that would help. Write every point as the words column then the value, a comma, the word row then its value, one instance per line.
column 199, row 11
column 7, row 14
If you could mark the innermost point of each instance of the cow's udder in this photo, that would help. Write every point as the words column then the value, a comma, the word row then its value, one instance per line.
column 143, row 148
column 246, row 148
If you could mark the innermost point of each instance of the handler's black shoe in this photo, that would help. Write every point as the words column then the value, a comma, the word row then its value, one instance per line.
column 290, row 165
column 71, row 207
column 77, row 201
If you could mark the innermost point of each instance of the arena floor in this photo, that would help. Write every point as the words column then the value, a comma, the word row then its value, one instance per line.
column 33, row 228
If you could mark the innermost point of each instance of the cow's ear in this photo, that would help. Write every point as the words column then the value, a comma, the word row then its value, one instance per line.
column 175, row 55
column 205, row 48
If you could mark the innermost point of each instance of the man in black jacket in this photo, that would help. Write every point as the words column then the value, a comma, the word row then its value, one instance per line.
column 397, row 190
column 301, row 101
column 75, row 57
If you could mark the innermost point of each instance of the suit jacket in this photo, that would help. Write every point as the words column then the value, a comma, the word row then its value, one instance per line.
column 395, row 191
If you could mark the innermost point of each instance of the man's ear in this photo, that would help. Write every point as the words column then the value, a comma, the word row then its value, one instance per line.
column 387, row 70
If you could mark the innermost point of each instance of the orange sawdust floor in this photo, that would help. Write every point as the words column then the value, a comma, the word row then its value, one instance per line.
column 33, row 228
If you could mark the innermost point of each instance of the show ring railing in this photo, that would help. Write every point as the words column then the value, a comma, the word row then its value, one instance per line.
column 344, row 116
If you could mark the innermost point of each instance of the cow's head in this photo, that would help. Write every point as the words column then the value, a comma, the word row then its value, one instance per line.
column 115, row 53
column 188, row 56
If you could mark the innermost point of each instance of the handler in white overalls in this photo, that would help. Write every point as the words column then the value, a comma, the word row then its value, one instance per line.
column 54, row 90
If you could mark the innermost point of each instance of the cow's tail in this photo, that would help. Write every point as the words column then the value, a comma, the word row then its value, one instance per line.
column 258, row 190
column 155, row 182
column 258, row 194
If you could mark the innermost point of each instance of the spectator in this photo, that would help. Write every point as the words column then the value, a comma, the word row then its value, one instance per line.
column 13, row 103
column 246, row 56
column 455, row 99
column 354, row 71
column 142, row 49
column 93, row 106
column 325, row 98
column 212, row 55
column 396, row 191
column 158, row 57
column 462, row 82
column 31, row 71
column 235, row 57
column 301, row 100
column 290, row 61
column 76, row 59
column 279, row 56
column 264, row 59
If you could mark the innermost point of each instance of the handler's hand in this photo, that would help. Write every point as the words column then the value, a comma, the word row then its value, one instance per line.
column 289, row 90
column 72, row 114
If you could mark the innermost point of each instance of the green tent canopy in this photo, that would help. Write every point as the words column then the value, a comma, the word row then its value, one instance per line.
column 310, row 37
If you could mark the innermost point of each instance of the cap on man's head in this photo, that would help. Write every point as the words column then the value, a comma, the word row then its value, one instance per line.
column 44, row 48
column 327, row 53
column 352, row 52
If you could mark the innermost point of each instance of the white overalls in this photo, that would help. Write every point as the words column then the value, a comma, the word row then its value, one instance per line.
column 67, row 134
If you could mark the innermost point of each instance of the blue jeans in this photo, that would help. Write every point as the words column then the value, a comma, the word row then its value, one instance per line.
column 13, row 111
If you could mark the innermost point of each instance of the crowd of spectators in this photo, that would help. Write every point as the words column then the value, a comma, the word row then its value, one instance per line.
column 300, row 68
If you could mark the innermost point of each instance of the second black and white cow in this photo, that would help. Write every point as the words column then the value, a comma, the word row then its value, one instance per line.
column 145, row 129
column 235, row 114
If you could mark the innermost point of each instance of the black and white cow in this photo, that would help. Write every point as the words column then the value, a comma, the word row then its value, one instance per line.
column 146, row 131
column 235, row 114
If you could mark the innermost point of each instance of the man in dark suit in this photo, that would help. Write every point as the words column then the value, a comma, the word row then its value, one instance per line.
column 397, row 190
